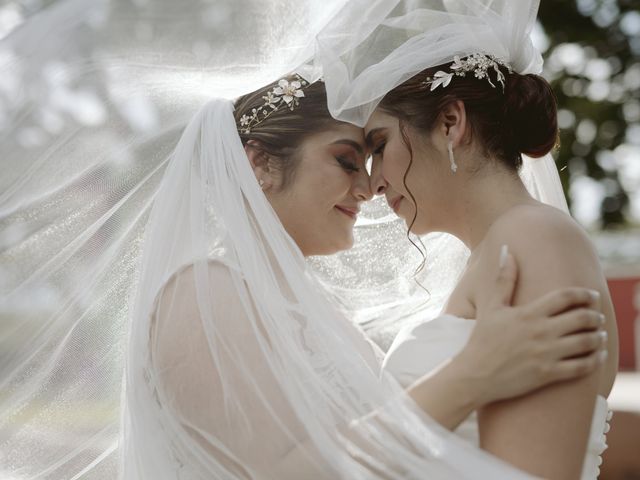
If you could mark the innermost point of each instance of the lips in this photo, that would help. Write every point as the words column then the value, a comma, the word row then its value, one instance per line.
column 395, row 204
column 349, row 211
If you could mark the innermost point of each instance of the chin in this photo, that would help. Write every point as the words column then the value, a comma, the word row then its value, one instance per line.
column 335, row 245
column 338, row 245
column 348, row 244
column 343, row 245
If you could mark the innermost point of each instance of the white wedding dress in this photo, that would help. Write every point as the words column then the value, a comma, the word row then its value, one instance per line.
column 418, row 349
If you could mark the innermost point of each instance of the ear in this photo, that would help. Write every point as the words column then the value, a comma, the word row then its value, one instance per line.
column 259, row 161
column 454, row 122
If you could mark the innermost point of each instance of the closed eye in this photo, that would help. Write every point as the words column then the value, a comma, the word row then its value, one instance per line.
column 347, row 164
column 379, row 149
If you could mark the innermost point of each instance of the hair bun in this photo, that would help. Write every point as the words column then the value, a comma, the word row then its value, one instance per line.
column 531, row 114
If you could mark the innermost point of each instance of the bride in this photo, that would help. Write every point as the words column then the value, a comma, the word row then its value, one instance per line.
column 448, row 113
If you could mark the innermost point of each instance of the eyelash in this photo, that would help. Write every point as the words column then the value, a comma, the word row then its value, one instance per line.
column 347, row 165
column 379, row 148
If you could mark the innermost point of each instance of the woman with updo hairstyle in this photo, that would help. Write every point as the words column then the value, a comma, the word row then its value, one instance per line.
column 448, row 145
column 519, row 119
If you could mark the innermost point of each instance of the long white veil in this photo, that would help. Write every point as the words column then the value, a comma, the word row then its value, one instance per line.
column 94, row 95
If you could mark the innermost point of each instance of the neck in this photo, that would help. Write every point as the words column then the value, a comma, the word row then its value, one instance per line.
column 485, row 197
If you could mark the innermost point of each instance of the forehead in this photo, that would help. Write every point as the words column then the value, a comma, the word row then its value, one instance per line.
column 379, row 119
column 339, row 131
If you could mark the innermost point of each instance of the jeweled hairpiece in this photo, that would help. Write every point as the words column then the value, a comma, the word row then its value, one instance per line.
column 478, row 63
column 285, row 95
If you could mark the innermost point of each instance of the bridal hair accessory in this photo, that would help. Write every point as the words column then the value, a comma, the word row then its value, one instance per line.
column 478, row 63
column 454, row 167
column 286, row 94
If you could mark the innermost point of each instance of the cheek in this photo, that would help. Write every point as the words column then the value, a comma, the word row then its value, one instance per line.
column 395, row 165
column 326, row 188
column 333, row 186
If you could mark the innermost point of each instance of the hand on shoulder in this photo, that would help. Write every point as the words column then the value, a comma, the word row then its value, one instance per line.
column 551, row 249
column 552, row 252
column 541, row 234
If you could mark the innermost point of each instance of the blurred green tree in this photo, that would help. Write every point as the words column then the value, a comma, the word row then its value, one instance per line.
column 592, row 60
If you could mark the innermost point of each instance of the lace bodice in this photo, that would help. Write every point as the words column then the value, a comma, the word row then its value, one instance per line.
column 421, row 348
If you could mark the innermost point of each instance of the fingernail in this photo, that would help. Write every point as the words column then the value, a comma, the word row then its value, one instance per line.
column 603, row 336
column 602, row 319
column 595, row 296
column 602, row 356
column 504, row 251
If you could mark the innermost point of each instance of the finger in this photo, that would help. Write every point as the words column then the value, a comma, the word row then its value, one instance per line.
column 560, row 301
column 506, row 280
column 578, row 367
column 576, row 320
column 578, row 344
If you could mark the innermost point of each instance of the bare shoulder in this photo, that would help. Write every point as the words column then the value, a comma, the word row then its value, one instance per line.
column 184, row 276
column 177, row 313
column 181, row 284
column 540, row 229
column 551, row 250
column 549, row 246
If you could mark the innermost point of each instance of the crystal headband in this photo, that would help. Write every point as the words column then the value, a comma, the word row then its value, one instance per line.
column 285, row 95
column 478, row 63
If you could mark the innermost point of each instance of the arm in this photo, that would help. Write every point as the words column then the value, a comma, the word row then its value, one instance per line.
column 507, row 355
column 544, row 432
column 223, row 416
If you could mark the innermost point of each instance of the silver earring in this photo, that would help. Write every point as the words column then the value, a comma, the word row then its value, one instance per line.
column 454, row 167
column 261, row 183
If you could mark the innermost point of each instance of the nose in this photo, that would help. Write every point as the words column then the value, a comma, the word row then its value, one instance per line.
column 361, row 187
column 378, row 183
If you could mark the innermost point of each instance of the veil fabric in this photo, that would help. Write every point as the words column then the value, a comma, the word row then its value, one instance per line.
column 108, row 232
column 391, row 41
column 94, row 95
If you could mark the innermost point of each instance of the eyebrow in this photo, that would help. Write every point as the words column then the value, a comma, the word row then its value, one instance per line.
column 369, row 139
column 345, row 141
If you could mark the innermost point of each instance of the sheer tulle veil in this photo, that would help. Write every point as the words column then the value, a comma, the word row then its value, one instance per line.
column 111, row 228
column 94, row 95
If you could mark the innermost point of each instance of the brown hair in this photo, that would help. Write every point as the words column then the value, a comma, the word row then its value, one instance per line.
column 522, row 119
column 283, row 131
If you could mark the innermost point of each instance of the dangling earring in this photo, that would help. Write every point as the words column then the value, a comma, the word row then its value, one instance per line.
column 261, row 183
column 454, row 167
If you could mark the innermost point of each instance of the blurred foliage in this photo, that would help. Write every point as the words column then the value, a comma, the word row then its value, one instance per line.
column 593, row 64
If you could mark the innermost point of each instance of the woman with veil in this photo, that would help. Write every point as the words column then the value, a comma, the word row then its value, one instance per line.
column 291, row 375
column 450, row 104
